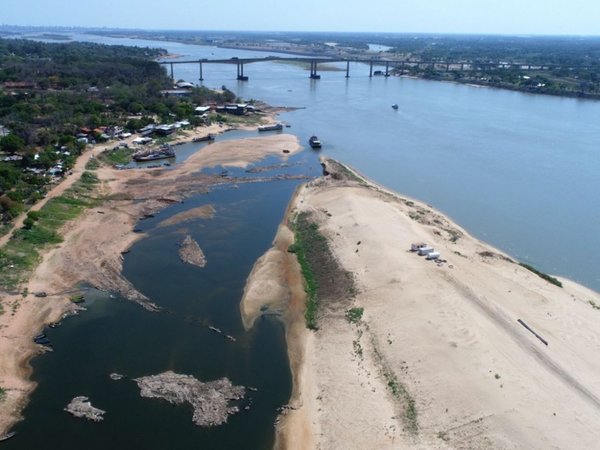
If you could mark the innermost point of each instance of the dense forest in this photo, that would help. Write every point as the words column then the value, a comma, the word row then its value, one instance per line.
column 49, row 92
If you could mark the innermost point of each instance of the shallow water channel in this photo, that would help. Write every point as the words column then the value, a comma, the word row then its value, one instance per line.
column 114, row 335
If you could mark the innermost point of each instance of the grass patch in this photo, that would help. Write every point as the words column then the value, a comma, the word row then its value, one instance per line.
column 399, row 392
column 92, row 164
column 2, row 394
column 308, row 241
column 354, row 315
column 593, row 304
column 77, row 298
column 22, row 252
column 121, row 155
column 548, row 278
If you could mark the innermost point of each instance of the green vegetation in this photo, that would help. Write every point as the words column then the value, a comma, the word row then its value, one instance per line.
column 77, row 298
column 121, row 155
column 354, row 315
column 2, row 394
column 308, row 242
column 22, row 252
column 546, row 277
column 53, row 94
column 593, row 304
column 399, row 392
column 92, row 164
column 357, row 348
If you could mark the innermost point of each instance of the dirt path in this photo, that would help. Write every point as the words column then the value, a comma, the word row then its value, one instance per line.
column 57, row 190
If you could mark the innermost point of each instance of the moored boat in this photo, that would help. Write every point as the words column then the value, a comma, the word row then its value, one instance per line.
column 314, row 142
column 208, row 137
column 163, row 152
column 395, row 106
column 275, row 127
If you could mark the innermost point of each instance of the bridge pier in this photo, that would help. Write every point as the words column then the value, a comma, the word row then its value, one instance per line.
column 172, row 77
column 387, row 68
column 240, row 72
column 201, row 77
column 347, row 69
column 371, row 69
column 313, row 71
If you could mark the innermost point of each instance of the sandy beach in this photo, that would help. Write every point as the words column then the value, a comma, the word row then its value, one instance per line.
column 92, row 246
column 438, row 359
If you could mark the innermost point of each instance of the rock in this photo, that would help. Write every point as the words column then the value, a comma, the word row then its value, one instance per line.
column 191, row 253
column 82, row 408
column 210, row 401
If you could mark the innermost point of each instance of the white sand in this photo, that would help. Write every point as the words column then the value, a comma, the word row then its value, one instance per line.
column 450, row 336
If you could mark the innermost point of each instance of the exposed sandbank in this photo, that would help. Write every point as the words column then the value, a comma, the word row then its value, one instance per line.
column 444, row 337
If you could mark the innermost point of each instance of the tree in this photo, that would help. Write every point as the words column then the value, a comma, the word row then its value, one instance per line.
column 11, row 143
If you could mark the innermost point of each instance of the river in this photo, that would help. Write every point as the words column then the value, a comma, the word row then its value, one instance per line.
column 518, row 171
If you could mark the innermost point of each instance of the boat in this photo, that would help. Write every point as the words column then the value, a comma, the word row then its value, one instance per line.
column 7, row 436
column 40, row 336
column 274, row 127
column 208, row 137
column 42, row 341
column 163, row 152
column 314, row 142
column 395, row 106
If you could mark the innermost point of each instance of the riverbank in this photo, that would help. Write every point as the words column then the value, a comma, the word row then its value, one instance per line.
column 432, row 355
column 93, row 243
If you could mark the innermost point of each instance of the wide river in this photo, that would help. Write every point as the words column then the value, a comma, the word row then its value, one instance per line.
column 518, row 171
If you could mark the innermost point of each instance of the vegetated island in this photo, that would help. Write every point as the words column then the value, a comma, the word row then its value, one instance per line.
column 389, row 349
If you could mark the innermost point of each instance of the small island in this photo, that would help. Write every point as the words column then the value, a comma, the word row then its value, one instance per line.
column 210, row 401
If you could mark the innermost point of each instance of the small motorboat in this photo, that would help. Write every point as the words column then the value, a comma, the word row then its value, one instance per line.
column 314, row 142
column 395, row 106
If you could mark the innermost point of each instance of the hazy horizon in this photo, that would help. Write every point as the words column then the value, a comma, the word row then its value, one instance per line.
column 512, row 17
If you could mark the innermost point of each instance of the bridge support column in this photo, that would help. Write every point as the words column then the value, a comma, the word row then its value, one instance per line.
column 313, row 71
column 172, row 76
column 201, row 77
column 240, row 72
column 371, row 69
column 387, row 68
column 347, row 69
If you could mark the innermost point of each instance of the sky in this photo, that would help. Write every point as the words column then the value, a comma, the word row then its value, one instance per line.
column 546, row 17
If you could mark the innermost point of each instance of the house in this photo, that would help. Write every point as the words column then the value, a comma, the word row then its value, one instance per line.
column 4, row 131
column 165, row 130
column 142, row 140
column 147, row 130
column 201, row 110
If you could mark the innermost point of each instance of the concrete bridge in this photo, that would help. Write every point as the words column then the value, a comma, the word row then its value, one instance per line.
column 387, row 63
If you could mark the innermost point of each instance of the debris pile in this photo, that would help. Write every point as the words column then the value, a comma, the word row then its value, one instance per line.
column 191, row 253
column 210, row 401
column 82, row 407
